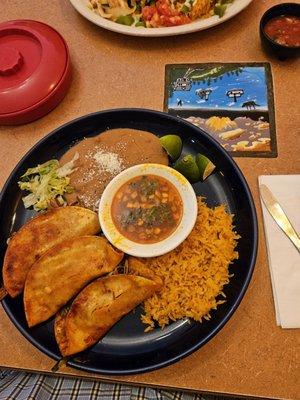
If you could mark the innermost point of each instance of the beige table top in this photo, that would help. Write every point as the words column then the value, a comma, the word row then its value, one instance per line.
column 251, row 355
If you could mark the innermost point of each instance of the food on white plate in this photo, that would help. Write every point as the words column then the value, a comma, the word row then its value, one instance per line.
column 38, row 235
column 158, row 13
column 147, row 209
column 104, row 156
column 47, row 184
column 63, row 271
column 97, row 308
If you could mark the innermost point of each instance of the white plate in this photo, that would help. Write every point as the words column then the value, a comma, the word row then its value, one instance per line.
column 189, row 214
column 82, row 7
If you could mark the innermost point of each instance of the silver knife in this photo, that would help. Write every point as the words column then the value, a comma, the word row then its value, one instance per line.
column 279, row 215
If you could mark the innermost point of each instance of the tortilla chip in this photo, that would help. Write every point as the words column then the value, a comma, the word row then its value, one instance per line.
column 40, row 234
column 97, row 308
column 63, row 271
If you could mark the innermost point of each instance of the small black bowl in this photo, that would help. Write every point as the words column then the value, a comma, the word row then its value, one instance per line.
column 269, row 45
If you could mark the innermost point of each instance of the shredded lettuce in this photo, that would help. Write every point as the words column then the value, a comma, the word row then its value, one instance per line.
column 45, row 184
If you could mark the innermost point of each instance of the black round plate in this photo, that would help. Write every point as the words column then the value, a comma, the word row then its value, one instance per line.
column 126, row 349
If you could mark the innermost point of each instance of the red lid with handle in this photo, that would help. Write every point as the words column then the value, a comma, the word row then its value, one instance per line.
column 34, row 70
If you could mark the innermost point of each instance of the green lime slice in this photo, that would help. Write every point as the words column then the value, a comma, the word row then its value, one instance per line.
column 172, row 144
column 188, row 167
column 205, row 166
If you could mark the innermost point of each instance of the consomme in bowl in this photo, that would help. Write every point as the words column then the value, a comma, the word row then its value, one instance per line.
column 147, row 209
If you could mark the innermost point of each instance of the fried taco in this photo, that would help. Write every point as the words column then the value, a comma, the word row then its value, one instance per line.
column 136, row 266
column 40, row 234
column 63, row 271
column 97, row 308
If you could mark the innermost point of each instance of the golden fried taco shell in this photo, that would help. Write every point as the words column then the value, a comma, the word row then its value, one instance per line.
column 63, row 271
column 136, row 266
column 97, row 308
column 40, row 234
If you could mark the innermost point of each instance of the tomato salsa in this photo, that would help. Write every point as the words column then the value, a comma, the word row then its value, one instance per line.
column 284, row 30
column 147, row 209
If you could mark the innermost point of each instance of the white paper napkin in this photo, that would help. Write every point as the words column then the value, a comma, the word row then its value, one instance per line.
column 284, row 259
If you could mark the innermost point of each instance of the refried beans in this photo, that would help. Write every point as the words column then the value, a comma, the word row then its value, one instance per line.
column 104, row 156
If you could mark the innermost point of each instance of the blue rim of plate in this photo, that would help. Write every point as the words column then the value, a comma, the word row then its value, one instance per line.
column 252, row 260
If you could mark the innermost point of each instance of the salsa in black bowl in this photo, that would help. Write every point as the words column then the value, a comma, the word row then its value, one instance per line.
column 280, row 30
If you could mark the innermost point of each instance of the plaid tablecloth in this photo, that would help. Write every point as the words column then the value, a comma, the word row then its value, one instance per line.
column 15, row 385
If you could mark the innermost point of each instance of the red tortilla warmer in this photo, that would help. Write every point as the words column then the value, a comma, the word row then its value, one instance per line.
column 35, row 71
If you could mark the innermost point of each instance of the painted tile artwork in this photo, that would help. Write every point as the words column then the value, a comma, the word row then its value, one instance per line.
column 231, row 102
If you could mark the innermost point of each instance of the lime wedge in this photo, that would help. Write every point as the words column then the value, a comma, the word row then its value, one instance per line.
column 125, row 20
column 205, row 166
column 172, row 144
column 188, row 167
